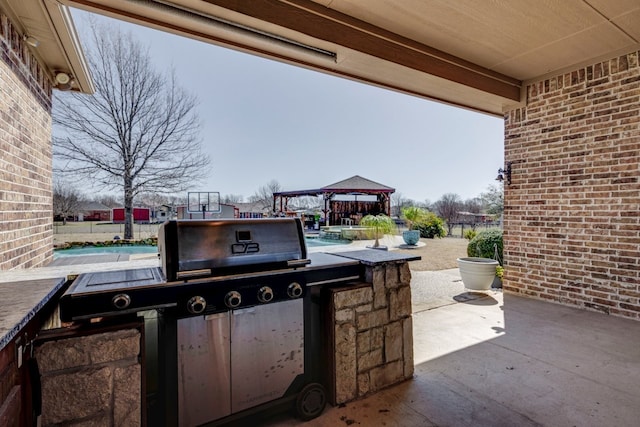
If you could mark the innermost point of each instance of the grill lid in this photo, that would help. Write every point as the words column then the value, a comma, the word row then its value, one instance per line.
column 191, row 248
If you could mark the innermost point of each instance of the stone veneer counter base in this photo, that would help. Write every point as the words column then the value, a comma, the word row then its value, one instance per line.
column 370, row 327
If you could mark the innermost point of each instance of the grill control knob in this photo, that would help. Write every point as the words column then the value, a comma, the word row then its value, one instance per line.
column 196, row 305
column 265, row 294
column 232, row 299
column 121, row 301
column 294, row 290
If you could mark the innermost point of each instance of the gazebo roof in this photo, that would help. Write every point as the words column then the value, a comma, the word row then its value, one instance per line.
column 355, row 184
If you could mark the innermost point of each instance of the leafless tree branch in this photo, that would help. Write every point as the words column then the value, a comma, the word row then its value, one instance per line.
column 264, row 195
column 66, row 200
column 140, row 130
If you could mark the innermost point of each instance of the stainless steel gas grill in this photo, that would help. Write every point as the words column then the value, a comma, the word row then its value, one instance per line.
column 232, row 318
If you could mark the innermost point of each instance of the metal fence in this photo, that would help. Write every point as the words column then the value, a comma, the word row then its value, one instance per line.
column 141, row 231
column 458, row 230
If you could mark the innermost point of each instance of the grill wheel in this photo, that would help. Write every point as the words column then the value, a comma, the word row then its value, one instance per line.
column 311, row 401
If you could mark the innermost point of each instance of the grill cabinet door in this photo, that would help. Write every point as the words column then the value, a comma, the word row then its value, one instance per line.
column 203, row 369
column 267, row 344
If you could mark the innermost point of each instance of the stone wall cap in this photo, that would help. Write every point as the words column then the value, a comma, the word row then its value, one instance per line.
column 375, row 256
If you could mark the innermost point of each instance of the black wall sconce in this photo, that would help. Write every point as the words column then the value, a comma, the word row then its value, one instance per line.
column 505, row 174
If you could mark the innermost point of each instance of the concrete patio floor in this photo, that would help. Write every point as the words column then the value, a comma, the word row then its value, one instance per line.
column 503, row 360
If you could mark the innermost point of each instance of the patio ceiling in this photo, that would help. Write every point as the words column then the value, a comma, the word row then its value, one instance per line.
column 49, row 24
column 470, row 53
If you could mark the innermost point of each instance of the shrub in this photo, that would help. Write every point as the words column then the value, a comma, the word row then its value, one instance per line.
column 484, row 245
column 470, row 234
column 412, row 215
column 379, row 225
column 430, row 226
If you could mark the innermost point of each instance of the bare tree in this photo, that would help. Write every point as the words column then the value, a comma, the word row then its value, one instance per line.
column 66, row 201
column 306, row 203
column 447, row 208
column 493, row 200
column 149, row 199
column 138, row 132
column 399, row 202
column 263, row 197
column 231, row 199
column 472, row 209
column 108, row 200
column 473, row 205
column 426, row 205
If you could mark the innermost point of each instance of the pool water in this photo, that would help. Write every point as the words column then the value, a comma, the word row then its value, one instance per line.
column 141, row 249
column 316, row 242
column 96, row 250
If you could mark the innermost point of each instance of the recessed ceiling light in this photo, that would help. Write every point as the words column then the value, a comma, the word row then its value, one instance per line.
column 62, row 78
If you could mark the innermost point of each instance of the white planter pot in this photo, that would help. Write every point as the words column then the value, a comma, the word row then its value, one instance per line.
column 477, row 273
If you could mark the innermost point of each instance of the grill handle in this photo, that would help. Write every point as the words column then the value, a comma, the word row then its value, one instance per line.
column 298, row 262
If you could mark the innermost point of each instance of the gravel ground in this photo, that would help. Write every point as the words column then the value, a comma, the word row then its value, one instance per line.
column 438, row 254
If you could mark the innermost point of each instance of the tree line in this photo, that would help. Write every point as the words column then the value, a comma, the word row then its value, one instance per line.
column 139, row 135
column 68, row 200
column 454, row 210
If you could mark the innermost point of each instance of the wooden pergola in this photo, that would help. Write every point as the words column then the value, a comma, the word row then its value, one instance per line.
column 337, row 211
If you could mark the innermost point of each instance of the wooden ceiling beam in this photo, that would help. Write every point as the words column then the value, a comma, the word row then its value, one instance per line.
column 320, row 22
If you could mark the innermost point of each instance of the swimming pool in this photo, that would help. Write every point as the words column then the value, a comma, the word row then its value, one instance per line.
column 100, row 250
column 143, row 249
column 314, row 242
column 322, row 245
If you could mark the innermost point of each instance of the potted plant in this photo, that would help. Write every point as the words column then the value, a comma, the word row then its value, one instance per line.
column 379, row 225
column 482, row 266
column 412, row 215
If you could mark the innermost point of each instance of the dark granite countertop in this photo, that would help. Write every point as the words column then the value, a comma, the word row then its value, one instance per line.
column 376, row 256
column 20, row 301
column 24, row 292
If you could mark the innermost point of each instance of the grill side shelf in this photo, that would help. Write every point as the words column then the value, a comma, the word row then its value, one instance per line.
column 93, row 294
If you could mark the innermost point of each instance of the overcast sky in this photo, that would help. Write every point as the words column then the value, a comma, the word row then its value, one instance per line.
column 263, row 120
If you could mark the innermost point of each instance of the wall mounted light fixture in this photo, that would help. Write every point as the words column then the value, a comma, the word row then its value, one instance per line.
column 31, row 41
column 63, row 80
column 505, row 174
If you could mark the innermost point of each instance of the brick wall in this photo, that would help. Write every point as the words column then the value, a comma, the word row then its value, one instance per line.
column 372, row 333
column 26, row 219
column 572, row 212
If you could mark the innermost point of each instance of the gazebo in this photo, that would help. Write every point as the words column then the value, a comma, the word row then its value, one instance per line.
column 341, row 204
